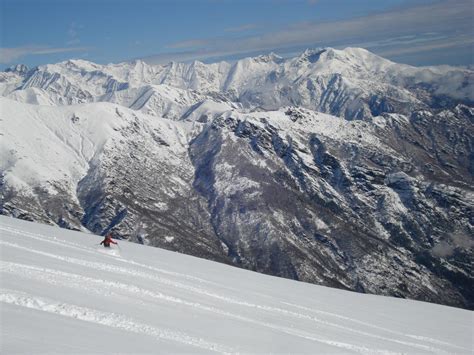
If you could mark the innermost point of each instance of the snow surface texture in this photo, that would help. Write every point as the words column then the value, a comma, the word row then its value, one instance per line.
column 62, row 293
column 233, row 163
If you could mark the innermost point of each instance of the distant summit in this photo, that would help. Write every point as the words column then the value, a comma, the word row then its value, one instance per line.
column 19, row 69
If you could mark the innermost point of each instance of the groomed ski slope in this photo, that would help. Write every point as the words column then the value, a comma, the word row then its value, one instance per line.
column 61, row 293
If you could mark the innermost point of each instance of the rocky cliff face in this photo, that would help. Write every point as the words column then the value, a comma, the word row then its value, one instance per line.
column 245, row 171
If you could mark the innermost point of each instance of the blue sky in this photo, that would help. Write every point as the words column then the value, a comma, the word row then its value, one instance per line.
column 419, row 32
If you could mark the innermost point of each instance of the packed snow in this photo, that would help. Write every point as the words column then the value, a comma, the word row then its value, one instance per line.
column 61, row 292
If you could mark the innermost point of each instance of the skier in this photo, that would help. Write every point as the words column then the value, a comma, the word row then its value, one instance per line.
column 108, row 240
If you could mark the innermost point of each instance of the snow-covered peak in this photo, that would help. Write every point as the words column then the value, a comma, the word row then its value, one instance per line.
column 311, row 55
column 19, row 69
column 271, row 57
column 352, row 62
column 75, row 65
column 83, row 64
column 368, row 83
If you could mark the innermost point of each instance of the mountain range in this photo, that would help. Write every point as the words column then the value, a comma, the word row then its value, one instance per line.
column 335, row 167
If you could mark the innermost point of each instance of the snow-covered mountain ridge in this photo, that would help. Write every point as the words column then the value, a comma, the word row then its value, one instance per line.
column 352, row 83
column 232, row 162
column 147, row 300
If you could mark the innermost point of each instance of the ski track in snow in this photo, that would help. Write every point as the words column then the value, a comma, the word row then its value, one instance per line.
column 161, row 296
column 365, row 324
column 64, row 243
column 104, row 318
column 102, row 287
column 61, row 278
column 57, row 278
column 76, row 246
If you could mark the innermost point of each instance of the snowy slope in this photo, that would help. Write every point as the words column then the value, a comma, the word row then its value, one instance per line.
column 42, row 145
column 62, row 293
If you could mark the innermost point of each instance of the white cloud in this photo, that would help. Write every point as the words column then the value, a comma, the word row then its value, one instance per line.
column 242, row 28
column 431, row 45
column 189, row 44
column 405, row 28
column 10, row 55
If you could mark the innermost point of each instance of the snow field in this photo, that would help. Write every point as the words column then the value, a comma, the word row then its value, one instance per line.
column 61, row 293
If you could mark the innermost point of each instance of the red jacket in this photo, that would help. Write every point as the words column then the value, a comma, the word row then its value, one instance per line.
column 107, row 241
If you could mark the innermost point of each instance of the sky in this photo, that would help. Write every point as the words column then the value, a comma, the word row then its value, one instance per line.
column 417, row 32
